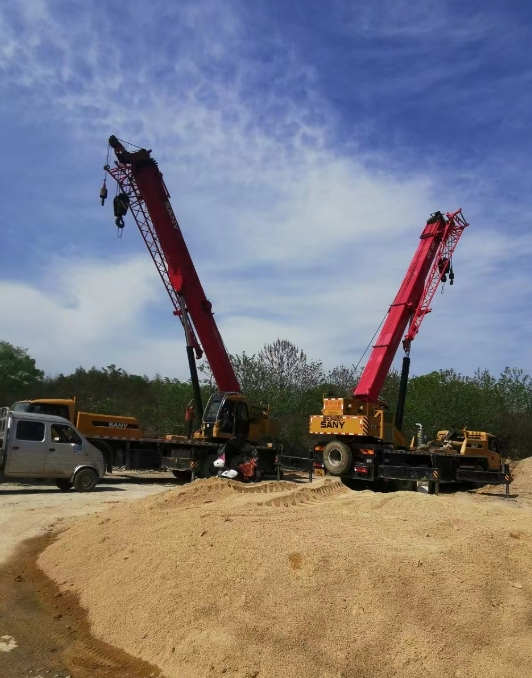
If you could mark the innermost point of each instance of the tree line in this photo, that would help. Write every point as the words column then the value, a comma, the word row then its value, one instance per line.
column 283, row 378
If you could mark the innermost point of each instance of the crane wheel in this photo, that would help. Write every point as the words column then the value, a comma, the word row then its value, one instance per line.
column 337, row 457
column 181, row 475
column 207, row 470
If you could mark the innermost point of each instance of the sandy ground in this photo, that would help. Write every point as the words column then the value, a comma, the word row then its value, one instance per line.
column 285, row 579
column 30, row 510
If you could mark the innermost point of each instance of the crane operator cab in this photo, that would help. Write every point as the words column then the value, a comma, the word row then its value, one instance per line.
column 227, row 415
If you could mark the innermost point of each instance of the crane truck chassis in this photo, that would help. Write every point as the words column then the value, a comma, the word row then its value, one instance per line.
column 385, row 468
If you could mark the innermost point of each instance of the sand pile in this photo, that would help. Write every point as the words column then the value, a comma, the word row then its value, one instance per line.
column 294, row 582
column 522, row 474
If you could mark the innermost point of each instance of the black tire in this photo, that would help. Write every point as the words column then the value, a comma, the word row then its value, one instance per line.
column 64, row 484
column 207, row 470
column 181, row 475
column 356, row 484
column 85, row 480
column 337, row 458
column 107, row 452
column 403, row 486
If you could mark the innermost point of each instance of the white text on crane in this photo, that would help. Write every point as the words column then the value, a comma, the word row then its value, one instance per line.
column 172, row 216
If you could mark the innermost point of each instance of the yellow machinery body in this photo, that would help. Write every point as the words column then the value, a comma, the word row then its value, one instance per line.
column 470, row 444
column 91, row 425
column 251, row 420
column 352, row 417
column 114, row 427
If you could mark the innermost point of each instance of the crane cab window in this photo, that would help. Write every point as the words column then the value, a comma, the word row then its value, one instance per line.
column 493, row 444
column 227, row 416
column 242, row 420
column 211, row 412
column 242, row 412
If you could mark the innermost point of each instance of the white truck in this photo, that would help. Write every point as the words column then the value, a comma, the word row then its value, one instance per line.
column 46, row 446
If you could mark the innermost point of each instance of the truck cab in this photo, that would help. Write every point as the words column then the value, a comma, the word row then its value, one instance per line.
column 36, row 445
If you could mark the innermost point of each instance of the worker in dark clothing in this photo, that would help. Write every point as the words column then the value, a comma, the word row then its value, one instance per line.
column 228, row 417
column 189, row 418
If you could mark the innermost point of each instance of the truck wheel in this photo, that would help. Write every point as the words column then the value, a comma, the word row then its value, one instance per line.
column 64, row 484
column 207, row 470
column 85, row 480
column 107, row 452
column 337, row 457
column 181, row 475
column 404, row 486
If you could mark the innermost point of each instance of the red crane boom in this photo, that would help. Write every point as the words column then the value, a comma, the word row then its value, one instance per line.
column 430, row 265
column 140, row 179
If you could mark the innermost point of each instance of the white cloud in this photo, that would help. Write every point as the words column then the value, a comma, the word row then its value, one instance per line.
column 292, row 236
column 90, row 313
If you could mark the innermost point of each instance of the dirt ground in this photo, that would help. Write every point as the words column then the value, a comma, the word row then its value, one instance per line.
column 286, row 579
column 43, row 633
column 30, row 510
column 264, row 581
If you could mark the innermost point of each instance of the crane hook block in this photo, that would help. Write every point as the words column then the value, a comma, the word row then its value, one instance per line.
column 120, row 207
column 103, row 193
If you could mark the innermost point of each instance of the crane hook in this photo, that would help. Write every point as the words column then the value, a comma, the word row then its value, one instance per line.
column 120, row 207
column 103, row 193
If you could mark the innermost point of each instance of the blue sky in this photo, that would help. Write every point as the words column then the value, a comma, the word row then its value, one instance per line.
column 304, row 145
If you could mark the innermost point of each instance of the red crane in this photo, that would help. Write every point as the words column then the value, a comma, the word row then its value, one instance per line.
column 142, row 189
column 431, row 264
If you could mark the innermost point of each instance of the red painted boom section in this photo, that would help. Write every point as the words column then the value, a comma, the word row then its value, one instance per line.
column 145, row 176
column 430, row 262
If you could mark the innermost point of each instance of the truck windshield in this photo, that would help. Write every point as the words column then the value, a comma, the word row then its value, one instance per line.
column 212, row 409
column 42, row 408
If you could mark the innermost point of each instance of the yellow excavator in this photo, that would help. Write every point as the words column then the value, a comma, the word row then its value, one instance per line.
column 465, row 443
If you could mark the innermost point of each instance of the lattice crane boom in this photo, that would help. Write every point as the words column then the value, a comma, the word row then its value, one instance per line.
column 140, row 179
column 429, row 266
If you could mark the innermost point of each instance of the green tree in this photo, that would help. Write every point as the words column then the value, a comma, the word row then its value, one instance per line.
column 18, row 372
